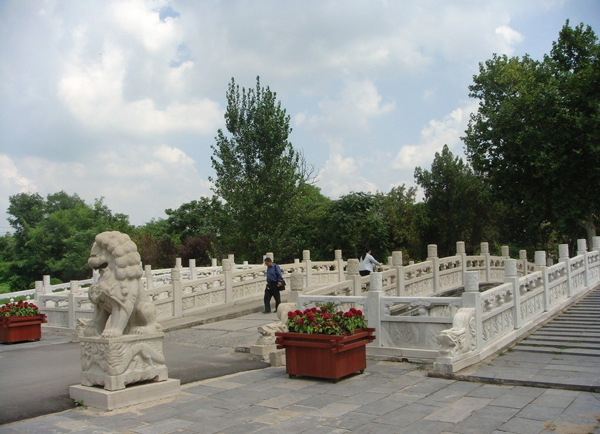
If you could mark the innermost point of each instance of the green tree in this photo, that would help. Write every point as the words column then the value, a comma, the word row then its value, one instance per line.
column 258, row 174
column 536, row 136
column 53, row 236
column 456, row 204
column 354, row 222
column 400, row 211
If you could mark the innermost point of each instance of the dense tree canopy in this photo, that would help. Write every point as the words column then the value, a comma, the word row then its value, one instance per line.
column 536, row 135
column 53, row 236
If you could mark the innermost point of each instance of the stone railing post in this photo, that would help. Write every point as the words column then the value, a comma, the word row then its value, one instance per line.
column 540, row 265
column 399, row 268
column 505, row 252
column 193, row 273
column 39, row 290
column 472, row 299
column 308, row 267
column 73, row 289
column 596, row 244
column 485, row 252
column 582, row 250
column 296, row 287
column 149, row 277
column 227, row 265
column 231, row 257
column 373, row 306
column 46, row 281
column 523, row 259
column 432, row 255
column 177, row 262
column 563, row 256
column 340, row 265
column 462, row 253
column 177, row 292
column 354, row 276
column 213, row 262
column 510, row 276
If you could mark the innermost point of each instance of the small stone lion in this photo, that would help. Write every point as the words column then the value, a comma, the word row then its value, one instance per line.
column 119, row 307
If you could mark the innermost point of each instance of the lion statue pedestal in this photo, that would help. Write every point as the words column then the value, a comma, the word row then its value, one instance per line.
column 122, row 344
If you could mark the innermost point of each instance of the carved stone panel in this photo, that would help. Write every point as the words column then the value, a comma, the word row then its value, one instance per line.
column 117, row 362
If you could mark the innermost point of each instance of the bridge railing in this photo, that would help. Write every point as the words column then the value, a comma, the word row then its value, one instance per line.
column 456, row 332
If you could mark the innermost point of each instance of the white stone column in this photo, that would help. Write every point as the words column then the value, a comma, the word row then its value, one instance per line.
column 352, row 270
column 398, row 266
column 540, row 265
column 307, row 267
column 227, row 266
column 213, row 262
column 596, row 243
column 510, row 276
column 296, row 287
column 39, row 290
column 523, row 259
column 192, row 264
column 177, row 262
column 582, row 250
column 373, row 306
column 340, row 265
column 177, row 292
column 505, row 252
column 73, row 288
column 485, row 252
column 462, row 253
column 563, row 256
column 432, row 255
column 149, row 277
column 46, row 280
column 472, row 299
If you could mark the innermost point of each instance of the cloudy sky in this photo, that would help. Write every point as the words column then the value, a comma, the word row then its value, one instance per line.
column 122, row 99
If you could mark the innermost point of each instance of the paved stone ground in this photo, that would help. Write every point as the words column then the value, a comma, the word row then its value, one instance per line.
column 388, row 397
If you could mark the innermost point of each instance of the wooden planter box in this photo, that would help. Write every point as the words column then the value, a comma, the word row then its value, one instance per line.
column 325, row 356
column 21, row 328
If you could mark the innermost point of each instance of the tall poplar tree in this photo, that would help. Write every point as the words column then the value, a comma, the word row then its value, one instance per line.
column 258, row 174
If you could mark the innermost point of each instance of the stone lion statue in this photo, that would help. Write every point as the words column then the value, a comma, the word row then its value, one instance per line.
column 119, row 307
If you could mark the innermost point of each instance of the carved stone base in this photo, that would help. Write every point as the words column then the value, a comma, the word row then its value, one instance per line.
column 136, row 394
column 117, row 362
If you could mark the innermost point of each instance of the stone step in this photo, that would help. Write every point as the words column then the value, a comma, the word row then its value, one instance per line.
column 549, row 350
column 560, row 344
column 554, row 338
column 582, row 334
column 573, row 324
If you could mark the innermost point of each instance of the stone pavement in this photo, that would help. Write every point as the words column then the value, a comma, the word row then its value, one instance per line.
column 389, row 397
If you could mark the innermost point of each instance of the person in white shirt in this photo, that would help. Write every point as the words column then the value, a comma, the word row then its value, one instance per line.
column 366, row 263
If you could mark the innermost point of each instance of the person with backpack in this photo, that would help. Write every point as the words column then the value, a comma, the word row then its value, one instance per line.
column 275, row 283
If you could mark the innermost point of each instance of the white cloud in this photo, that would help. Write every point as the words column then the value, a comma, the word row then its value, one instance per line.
column 357, row 104
column 94, row 93
column 341, row 175
column 433, row 138
column 510, row 38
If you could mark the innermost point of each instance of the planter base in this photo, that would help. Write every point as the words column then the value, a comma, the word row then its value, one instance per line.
column 21, row 328
column 325, row 356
